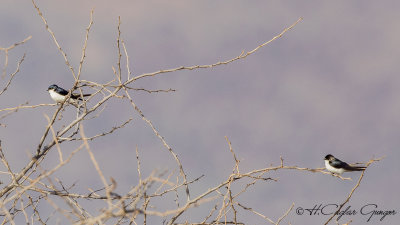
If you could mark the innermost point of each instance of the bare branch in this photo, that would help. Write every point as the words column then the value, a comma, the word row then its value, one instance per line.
column 13, row 74
column 6, row 53
column 55, row 40
column 352, row 190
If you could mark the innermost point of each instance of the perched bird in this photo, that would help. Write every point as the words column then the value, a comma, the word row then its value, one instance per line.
column 59, row 94
column 335, row 165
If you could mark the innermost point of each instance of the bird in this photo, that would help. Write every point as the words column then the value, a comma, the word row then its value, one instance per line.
column 58, row 94
column 337, row 166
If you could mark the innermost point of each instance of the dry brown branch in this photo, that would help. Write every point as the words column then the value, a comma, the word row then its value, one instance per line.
column 84, row 48
column 257, row 213
column 18, row 193
column 96, row 165
column 152, row 91
column 265, row 217
column 5, row 162
column 13, row 74
column 15, row 44
column 24, row 212
column 284, row 215
column 211, row 223
column 348, row 222
column 33, row 184
column 241, row 56
column 6, row 54
column 162, row 140
column 138, row 166
column 119, row 74
column 40, row 154
column 56, row 141
column 98, row 135
column 26, row 107
column 352, row 190
column 55, row 40
column 128, row 70
column 35, row 211
column 234, row 156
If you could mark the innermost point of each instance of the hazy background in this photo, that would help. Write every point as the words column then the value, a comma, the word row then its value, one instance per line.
column 330, row 85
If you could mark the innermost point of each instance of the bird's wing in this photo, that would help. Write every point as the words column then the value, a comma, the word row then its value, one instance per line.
column 339, row 164
column 61, row 91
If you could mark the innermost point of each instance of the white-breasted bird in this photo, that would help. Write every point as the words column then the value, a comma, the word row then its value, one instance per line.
column 59, row 94
column 335, row 165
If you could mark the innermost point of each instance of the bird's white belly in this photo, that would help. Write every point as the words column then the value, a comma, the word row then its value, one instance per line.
column 333, row 169
column 56, row 97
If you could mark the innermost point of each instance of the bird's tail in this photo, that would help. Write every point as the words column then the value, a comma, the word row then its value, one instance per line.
column 358, row 168
column 83, row 95
column 78, row 96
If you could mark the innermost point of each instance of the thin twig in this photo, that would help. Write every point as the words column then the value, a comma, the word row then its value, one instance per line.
column 352, row 190
column 13, row 74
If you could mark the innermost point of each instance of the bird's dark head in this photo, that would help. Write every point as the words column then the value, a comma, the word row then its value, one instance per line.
column 329, row 157
column 52, row 87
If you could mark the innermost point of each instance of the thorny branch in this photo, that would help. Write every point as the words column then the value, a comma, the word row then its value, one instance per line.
column 6, row 50
column 352, row 190
column 24, row 190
